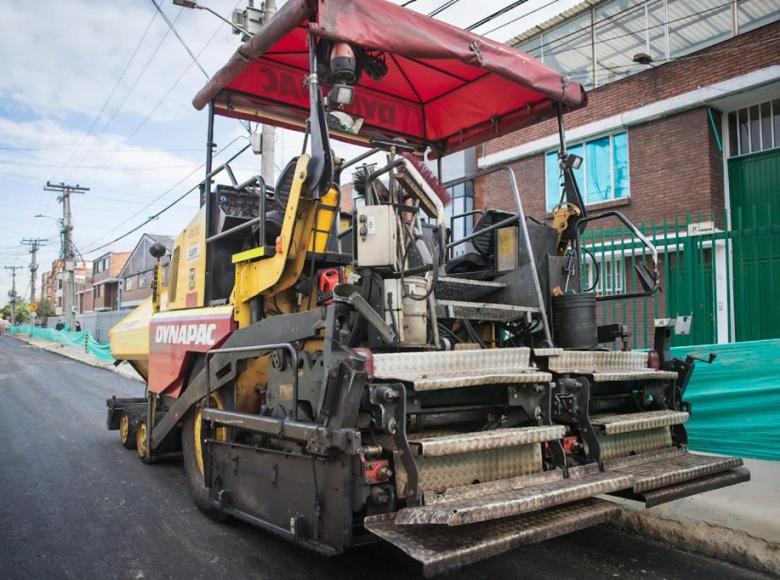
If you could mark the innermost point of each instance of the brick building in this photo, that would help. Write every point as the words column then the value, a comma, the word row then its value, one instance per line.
column 106, row 281
column 52, row 283
column 694, row 135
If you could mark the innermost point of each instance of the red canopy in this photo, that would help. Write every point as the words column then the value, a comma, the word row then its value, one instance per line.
column 445, row 87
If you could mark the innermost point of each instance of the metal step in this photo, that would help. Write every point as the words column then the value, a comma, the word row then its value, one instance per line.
column 675, row 468
column 489, row 311
column 614, row 423
column 672, row 492
column 604, row 366
column 441, row 549
column 428, row 371
column 483, row 440
column 447, row 288
column 505, row 504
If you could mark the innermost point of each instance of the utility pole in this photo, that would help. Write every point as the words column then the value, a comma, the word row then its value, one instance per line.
column 68, row 254
column 35, row 244
column 269, row 131
column 12, row 293
column 247, row 23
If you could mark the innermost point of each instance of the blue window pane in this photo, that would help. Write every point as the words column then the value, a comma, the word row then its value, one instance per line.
column 552, row 179
column 599, row 174
column 620, row 164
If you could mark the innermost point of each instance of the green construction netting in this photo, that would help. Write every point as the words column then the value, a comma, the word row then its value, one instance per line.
column 735, row 400
column 81, row 339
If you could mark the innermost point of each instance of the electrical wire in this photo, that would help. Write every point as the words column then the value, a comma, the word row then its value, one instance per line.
column 181, row 40
column 137, row 79
column 110, row 95
column 159, row 197
column 442, row 8
column 496, row 14
column 639, row 30
column 505, row 24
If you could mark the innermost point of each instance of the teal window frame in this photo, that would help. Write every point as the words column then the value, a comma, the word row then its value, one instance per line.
column 596, row 185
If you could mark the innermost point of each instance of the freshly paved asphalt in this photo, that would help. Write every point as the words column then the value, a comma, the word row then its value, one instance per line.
column 75, row 504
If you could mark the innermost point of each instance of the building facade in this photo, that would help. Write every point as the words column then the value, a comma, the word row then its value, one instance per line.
column 138, row 271
column 682, row 134
column 106, row 281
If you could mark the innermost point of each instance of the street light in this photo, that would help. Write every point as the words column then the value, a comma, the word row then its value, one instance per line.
column 194, row 5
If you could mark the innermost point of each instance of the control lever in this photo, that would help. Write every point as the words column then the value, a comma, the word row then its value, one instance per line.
column 347, row 293
column 712, row 356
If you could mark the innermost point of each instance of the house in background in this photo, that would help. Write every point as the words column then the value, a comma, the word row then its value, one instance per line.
column 138, row 271
column 105, row 280
column 52, row 283
column 681, row 134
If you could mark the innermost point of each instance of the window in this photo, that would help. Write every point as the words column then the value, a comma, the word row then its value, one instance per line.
column 755, row 128
column 129, row 283
column 462, row 202
column 603, row 174
column 612, row 275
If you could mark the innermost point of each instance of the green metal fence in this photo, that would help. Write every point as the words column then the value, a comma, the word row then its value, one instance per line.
column 722, row 269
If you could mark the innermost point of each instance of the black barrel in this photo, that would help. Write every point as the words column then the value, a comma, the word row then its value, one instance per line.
column 574, row 317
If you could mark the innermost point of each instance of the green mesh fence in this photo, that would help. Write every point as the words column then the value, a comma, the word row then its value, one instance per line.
column 736, row 399
column 83, row 340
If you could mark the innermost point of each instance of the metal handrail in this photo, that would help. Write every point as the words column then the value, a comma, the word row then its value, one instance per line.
column 523, row 226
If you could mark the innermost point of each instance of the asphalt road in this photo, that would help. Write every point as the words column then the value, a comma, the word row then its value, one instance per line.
column 75, row 504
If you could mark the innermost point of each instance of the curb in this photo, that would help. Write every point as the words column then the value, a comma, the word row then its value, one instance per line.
column 719, row 542
column 60, row 351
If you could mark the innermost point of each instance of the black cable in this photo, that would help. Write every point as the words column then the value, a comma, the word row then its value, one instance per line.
column 472, row 333
column 442, row 8
column 505, row 24
column 496, row 14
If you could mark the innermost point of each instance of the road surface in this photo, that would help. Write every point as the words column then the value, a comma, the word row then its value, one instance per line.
column 75, row 504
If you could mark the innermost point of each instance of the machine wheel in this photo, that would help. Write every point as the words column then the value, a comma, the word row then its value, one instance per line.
column 192, row 436
column 141, row 441
column 127, row 431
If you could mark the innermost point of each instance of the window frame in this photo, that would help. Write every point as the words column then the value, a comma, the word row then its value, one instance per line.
column 613, row 258
column 584, row 167
column 773, row 111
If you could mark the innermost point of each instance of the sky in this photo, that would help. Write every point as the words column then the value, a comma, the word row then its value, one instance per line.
column 98, row 93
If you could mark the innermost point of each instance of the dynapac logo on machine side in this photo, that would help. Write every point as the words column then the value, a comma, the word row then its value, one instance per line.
column 186, row 334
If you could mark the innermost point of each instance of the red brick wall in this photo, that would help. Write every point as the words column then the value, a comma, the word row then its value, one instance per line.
column 675, row 167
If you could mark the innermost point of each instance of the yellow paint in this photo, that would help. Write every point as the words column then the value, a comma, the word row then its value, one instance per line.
column 280, row 271
column 247, row 255
column 187, row 271
column 130, row 336
column 325, row 216
column 220, row 433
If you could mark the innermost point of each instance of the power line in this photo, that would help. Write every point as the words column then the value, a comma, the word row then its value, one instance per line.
column 496, row 14
column 619, row 36
column 441, row 8
column 137, row 79
column 155, row 200
column 181, row 40
column 505, row 24
column 111, row 94
column 167, row 94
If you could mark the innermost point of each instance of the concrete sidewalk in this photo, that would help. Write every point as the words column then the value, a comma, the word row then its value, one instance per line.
column 739, row 524
column 79, row 354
